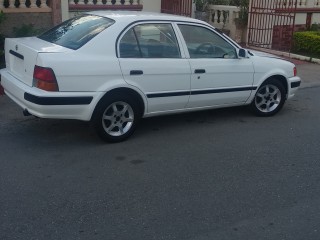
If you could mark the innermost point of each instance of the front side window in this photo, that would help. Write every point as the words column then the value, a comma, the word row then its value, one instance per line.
column 150, row 41
column 204, row 43
column 76, row 32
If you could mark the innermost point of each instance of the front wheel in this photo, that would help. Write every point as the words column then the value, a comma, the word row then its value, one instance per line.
column 269, row 98
column 116, row 118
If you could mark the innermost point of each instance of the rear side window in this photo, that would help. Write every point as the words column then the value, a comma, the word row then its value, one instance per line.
column 150, row 41
column 129, row 46
column 76, row 32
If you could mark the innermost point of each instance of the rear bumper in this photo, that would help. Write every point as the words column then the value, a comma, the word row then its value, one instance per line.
column 62, row 101
column 62, row 105
column 294, row 84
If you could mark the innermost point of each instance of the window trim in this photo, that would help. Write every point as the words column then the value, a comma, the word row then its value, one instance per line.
column 146, row 22
column 210, row 29
column 137, row 42
column 172, row 22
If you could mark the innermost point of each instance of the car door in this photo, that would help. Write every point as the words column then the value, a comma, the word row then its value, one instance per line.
column 151, row 60
column 218, row 77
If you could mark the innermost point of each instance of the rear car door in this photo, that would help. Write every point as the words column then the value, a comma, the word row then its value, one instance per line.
column 218, row 77
column 151, row 60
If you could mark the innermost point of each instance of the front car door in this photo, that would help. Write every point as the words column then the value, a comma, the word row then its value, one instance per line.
column 151, row 60
column 218, row 77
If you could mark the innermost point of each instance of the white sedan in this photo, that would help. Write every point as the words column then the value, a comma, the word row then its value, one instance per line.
column 113, row 68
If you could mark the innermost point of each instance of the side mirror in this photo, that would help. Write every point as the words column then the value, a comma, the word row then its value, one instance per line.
column 243, row 53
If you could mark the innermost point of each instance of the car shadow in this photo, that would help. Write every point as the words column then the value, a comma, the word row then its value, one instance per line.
column 68, row 131
column 193, row 119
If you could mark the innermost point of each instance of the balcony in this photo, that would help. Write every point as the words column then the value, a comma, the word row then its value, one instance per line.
column 86, row 5
column 308, row 4
column 223, row 17
column 303, row 6
column 20, row 6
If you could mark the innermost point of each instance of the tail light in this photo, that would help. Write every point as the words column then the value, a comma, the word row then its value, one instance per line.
column 295, row 71
column 45, row 79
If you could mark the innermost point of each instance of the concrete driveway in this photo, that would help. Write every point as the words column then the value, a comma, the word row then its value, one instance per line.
column 309, row 73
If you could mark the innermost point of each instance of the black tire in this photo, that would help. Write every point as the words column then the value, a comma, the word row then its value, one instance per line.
column 269, row 98
column 116, row 117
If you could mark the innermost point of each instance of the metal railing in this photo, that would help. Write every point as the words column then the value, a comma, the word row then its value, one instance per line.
column 85, row 5
column 223, row 17
column 300, row 3
column 104, row 2
column 24, row 6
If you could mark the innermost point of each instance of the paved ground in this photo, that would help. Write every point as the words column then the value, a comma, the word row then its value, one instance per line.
column 309, row 72
column 221, row 174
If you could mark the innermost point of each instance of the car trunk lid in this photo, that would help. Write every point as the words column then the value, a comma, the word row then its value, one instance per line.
column 22, row 53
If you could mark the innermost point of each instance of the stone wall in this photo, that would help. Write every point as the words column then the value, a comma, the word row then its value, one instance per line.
column 42, row 21
column 223, row 17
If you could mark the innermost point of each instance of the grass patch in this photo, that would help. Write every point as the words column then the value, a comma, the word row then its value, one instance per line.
column 307, row 54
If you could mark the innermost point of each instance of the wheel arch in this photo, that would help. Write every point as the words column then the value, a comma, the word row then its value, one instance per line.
column 282, row 79
column 127, row 92
column 269, row 103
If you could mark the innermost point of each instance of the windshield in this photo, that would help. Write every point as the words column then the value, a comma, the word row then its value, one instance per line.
column 76, row 32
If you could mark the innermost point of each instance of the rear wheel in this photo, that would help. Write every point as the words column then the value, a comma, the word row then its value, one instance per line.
column 269, row 98
column 116, row 118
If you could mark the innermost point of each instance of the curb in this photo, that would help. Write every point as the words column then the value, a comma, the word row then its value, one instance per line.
column 288, row 55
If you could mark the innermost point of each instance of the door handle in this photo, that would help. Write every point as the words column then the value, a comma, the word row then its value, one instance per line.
column 136, row 72
column 199, row 71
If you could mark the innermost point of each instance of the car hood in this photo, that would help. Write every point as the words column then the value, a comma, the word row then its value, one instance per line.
column 262, row 54
column 267, row 55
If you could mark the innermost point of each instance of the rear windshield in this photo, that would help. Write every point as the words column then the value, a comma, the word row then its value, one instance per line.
column 76, row 32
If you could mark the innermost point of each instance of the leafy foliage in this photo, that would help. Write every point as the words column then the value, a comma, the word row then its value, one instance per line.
column 242, row 20
column 2, row 37
column 26, row 30
column 308, row 42
column 201, row 5
column 315, row 27
column 2, row 17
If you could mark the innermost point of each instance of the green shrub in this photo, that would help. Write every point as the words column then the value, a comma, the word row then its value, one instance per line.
column 26, row 30
column 2, row 37
column 307, row 42
column 315, row 27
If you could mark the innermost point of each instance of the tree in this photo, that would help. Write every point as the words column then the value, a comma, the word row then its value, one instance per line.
column 244, row 11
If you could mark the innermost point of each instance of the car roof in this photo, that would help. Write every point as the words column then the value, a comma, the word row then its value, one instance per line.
column 132, row 16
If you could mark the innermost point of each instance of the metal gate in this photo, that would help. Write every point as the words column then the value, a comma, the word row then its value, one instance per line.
column 177, row 7
column 272, row 24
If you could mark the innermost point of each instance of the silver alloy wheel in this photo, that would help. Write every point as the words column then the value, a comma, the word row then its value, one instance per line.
column 268, row 98
column 117, row 119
